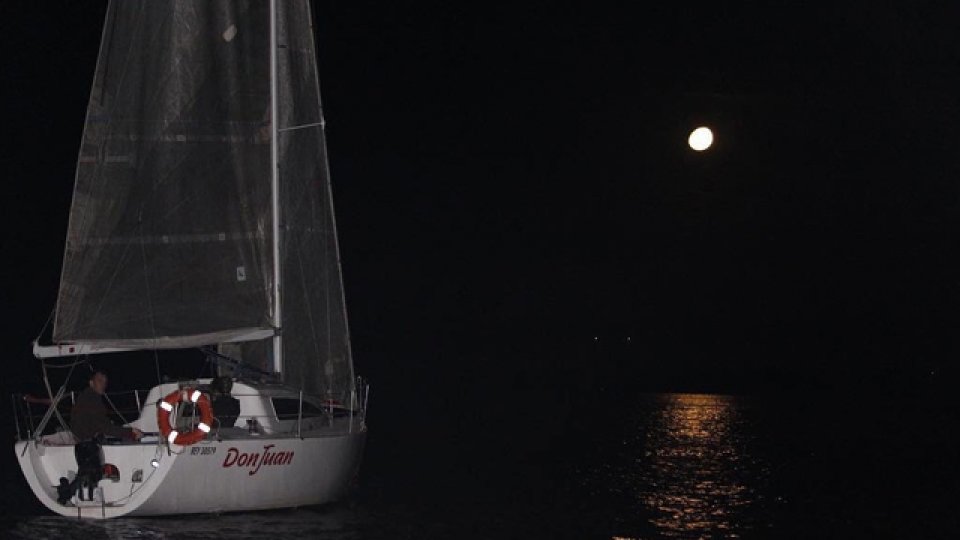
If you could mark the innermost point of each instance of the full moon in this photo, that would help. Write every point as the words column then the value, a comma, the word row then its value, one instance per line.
column 700, row 139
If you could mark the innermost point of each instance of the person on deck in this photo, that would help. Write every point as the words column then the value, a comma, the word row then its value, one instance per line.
column 225, row 406
column 89, row 419
column 89, row 423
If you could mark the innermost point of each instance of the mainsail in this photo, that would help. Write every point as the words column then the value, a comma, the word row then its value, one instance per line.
column 170, row 240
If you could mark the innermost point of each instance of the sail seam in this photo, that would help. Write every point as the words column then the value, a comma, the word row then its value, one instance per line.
column 301, row 126
column 172, row 239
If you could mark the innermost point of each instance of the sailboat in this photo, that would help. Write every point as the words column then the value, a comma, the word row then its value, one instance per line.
column 202, row 217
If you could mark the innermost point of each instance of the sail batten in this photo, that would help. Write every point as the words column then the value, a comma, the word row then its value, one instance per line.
column 173, row 239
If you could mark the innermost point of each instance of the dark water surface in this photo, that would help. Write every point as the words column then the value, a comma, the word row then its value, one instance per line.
column 637, row 466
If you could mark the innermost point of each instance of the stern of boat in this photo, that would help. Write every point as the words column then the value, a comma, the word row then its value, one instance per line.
column 44, row 464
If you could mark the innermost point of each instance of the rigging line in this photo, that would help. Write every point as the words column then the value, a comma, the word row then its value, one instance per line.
column 46, row 324
column 313, row 326
column 51, row 410
column 146, row 281
column 55, row 400
column 326, row 196
column 115, row 409
column 328, row 181
column 62, row 366
column 206, row 362
column 326, row 289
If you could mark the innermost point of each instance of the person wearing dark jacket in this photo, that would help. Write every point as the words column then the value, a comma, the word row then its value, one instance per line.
column 89, row 423
column 89, row 418
column 225, row 406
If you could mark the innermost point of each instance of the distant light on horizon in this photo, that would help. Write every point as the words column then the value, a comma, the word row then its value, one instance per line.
column 700, row 139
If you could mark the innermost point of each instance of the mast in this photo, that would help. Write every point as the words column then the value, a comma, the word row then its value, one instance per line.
column 277, row 313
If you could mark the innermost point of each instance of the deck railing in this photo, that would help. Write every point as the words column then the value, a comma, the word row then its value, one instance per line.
column 34, row 417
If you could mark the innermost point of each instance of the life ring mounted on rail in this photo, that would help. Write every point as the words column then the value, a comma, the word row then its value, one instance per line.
column 165, row 407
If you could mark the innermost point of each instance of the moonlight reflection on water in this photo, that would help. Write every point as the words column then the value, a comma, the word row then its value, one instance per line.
column 690, row 468
column 695, row 458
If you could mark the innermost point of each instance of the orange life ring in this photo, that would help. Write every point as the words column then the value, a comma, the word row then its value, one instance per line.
column 165, row 407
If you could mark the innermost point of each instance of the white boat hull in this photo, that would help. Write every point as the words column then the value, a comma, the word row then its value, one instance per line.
column 240, row 474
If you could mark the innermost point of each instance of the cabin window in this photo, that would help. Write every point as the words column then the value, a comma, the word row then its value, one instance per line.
column 287, row 408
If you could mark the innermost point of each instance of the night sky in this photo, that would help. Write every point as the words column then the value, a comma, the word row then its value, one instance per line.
column 515, row 194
